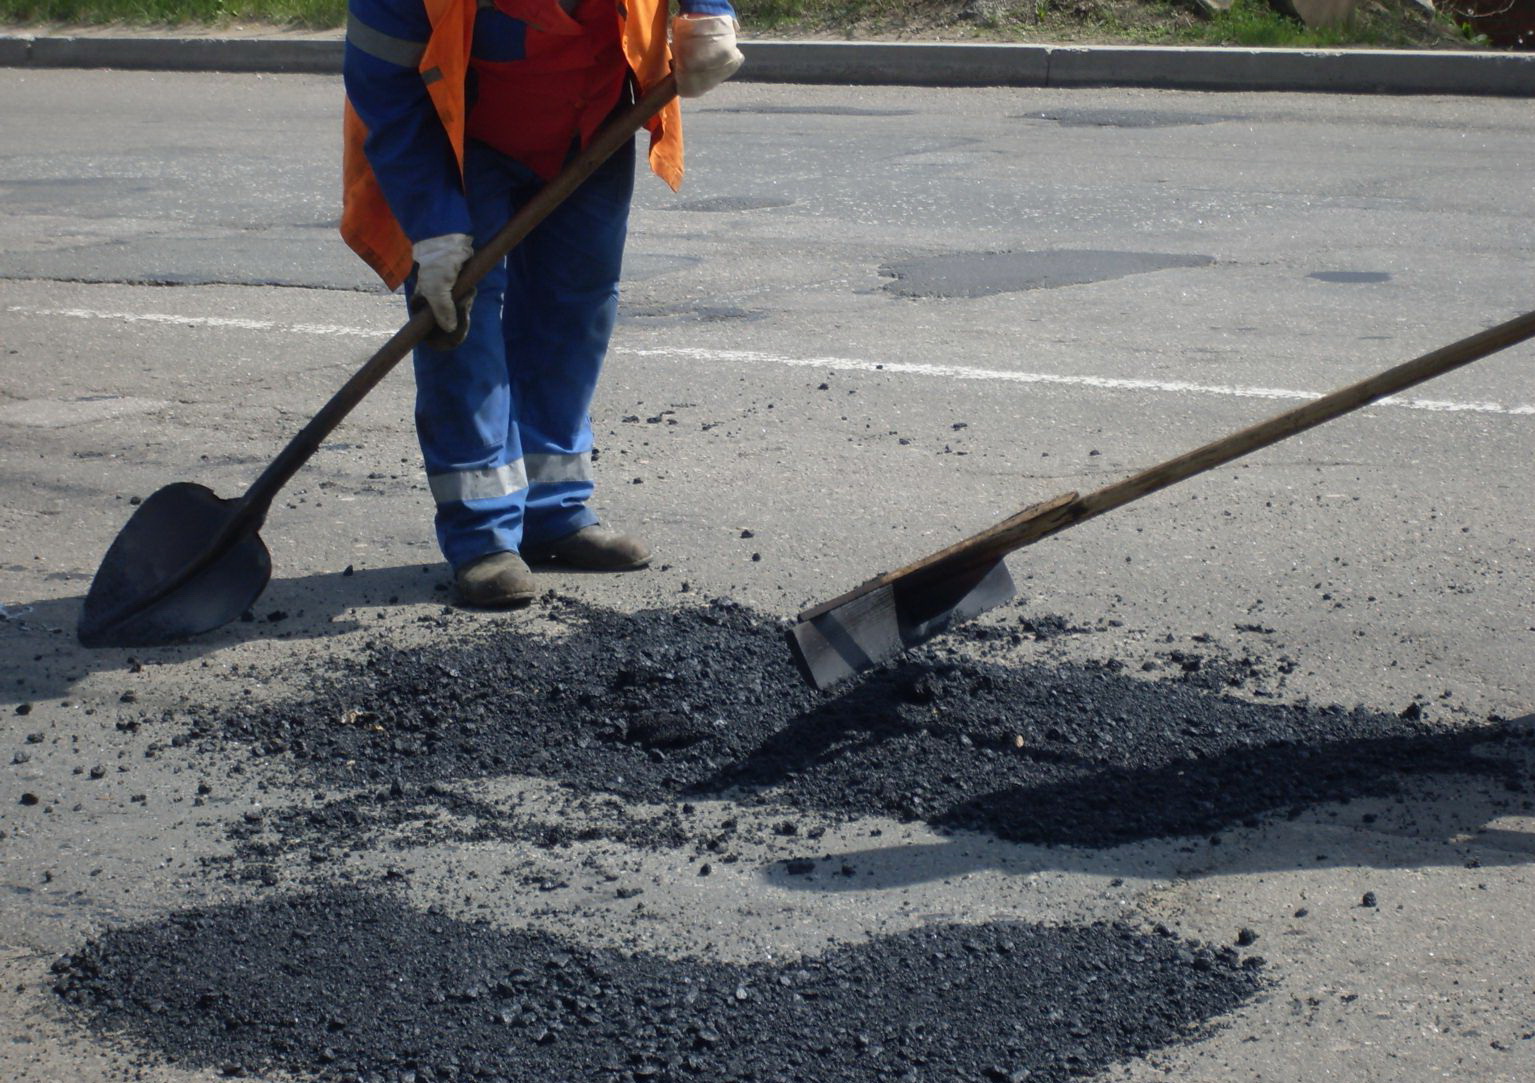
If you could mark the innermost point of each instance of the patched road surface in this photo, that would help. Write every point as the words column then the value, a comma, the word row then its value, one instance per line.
column 1240, row 787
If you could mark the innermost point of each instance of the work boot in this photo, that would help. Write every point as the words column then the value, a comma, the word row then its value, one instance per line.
column 594, row 548
column 497, row 581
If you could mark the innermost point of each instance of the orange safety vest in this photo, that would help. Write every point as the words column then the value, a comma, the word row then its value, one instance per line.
column 368, row 225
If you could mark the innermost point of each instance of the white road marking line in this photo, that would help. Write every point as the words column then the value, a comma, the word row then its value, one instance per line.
column 842, row 364
column 1107, row 383
column 206, row 321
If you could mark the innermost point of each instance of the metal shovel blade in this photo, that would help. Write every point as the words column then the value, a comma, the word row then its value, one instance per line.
column 161, row 582
column 880, row 624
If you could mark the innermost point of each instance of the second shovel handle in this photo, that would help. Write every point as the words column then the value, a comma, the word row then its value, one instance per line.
column 1277, row 428
column 1067, row 510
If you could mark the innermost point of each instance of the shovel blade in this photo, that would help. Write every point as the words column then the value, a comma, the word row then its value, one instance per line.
column 135, row 599
column 874, row 627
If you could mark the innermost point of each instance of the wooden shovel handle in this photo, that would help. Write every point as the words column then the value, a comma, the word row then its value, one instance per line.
column 614, row 134
column 1067, row 510
column 1285, row 425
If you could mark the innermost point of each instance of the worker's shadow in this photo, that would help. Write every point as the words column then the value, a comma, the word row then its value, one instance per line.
column 40, row 657
column 1409, row 801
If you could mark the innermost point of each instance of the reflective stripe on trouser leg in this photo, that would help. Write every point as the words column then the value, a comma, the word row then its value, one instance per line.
column 464, row 408
column 489, row 483
column 566, row 274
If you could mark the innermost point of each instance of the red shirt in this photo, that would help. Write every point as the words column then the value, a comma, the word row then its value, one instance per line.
column 534, row 102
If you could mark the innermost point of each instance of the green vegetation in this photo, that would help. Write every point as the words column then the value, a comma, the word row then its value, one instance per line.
column 1454, row 24
column 298, row 13
column 1255, row 23
column 1249, row 22
column 1394, row 23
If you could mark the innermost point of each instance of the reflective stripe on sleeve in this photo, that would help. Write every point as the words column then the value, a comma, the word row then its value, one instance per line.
column 486, row 484
column 552, row 469
column 361, row 36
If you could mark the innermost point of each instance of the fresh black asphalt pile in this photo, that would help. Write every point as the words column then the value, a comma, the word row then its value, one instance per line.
column 661, row 706
column 346, row 985
column 666, row 707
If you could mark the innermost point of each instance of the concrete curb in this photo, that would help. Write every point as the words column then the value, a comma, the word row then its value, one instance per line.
column 1352, row 71
column 15, row 52
column 1346, row 71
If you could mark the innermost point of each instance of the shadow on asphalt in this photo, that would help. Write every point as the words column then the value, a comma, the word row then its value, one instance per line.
column 300, row 608
column 1431, row 799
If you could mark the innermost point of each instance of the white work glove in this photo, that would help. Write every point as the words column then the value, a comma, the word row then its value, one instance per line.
column 704, row 52
column 438, row 262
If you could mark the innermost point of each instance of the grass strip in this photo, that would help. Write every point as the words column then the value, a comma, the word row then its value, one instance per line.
column 310, row 14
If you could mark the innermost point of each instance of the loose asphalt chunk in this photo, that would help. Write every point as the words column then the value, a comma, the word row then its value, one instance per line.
column 347, row 984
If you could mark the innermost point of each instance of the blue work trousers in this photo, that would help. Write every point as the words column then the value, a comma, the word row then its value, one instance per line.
column 503, row 419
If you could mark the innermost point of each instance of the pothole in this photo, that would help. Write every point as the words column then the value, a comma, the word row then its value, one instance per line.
column 981, row 274
column 1351, row 277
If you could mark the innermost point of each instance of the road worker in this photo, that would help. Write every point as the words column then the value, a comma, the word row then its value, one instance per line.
column 457, row 112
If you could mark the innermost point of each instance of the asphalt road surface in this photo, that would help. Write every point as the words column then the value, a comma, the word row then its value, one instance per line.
column 872, row 322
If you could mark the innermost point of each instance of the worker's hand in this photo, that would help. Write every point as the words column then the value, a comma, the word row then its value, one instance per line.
column 704, row 52
column 438, row 262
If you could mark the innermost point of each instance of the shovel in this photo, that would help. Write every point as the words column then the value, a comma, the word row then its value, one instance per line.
column 188, row 561
column 901, row 609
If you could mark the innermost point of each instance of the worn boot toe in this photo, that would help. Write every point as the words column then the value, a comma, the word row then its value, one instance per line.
column 595, row 548
column 497, row 581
